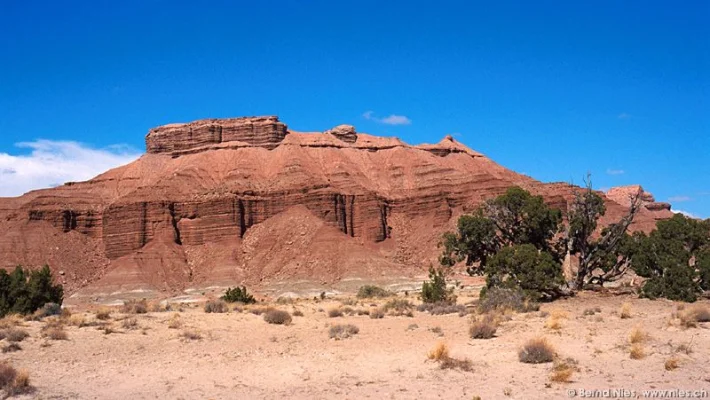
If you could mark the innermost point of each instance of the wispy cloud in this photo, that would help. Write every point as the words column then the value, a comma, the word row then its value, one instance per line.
column 52, row 163
column 392, row 119
column 678, row 199
column 687, row 214
column 614, row 171
column 623, row 115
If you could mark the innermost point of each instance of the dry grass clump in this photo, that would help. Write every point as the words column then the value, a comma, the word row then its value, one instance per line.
column 259, row 310
column 297, row 313
column 135, row 307
column 130, row 323
column 191, row 334
column 625, row 311
column 335, row 312
column 638, row 335
column 55, row 333
column 456, row 363
column 11, row 348
column 11, row 320
column 14, row 334
column 442, row 308
column 13, row 381
column 216, row 306
column 398, row 307
column 377, row 313
column 484, row 327
column 536, row 351
column 277, row 317
column 671, row 363
column 637, row 351
column 370, row 291
column 689, row 318
column 439, row 352
column 502, row 299
column 103, row 314
column 341, row 331
column 562, row 370
column 77, row 320
column 592, row 311
column 554, row 322
column 175, row 322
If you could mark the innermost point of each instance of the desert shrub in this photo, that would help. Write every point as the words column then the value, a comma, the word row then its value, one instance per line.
column 335, row 312
column 690, row 317
column 439, row 352
column 103, row 314
column 372, row 291
column 442, row 308
column 191, row 334
column 484, row 327
column 672, row 363
column 175, row 322
column 437, row 330
column 12, row 347
column 637, row 351
column 361, row 311
column 54, row 333
column 278, row 317
column 341, row 331
column 47, row 310
column 638, row 335
column 77, row 320
column 238, row 295
column 562, row 370
column 398, row 307
column 297, row 313
column 625, row 311
column 495, row 298
column 536, row 351
column 284, row 300
column 216, row 306
column 15, row 335
column 130, row 323
column 25, row 291
column 435, row 291
column 464, row 364
column 377, row 313
column 12, row 381
column 135, row 307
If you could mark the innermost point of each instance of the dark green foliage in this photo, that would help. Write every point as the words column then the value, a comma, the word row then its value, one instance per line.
column 23, row 294
column 675, row 258
column 524, row 267
column 370, row 291
column 435, row 291
column 515, row 217
column 238, row 295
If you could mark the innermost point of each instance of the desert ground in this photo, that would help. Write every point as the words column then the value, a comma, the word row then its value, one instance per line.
column 187, row 353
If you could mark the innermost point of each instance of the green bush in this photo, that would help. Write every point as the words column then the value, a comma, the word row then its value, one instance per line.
column 435, row 291
column 535, row 272
column 23, row 294
column 238, row 295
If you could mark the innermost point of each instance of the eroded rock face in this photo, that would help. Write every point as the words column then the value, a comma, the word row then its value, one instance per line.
column 346, row 133
column 245, row 200
column 624, row 194
column 267, row 132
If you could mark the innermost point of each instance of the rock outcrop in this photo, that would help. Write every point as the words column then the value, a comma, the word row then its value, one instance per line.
column 624, row 194
column 247, row 200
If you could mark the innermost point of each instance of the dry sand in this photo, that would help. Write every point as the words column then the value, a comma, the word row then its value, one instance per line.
column 241, row 356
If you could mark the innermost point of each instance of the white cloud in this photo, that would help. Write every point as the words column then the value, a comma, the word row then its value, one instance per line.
column 687, row 214
column 614, row 171
column 678, row 199
column 52, row 163
column 392, row 119
column 396, row 120
column 623, row 115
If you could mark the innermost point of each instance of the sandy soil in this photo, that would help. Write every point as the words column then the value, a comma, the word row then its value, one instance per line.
column 241, row 356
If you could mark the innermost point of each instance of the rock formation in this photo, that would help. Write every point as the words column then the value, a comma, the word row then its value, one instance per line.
column 225, row 201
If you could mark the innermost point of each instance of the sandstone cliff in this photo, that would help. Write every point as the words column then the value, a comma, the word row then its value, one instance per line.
column 246, row 200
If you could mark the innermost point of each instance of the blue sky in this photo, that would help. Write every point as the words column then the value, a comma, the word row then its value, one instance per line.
column 549, row 88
